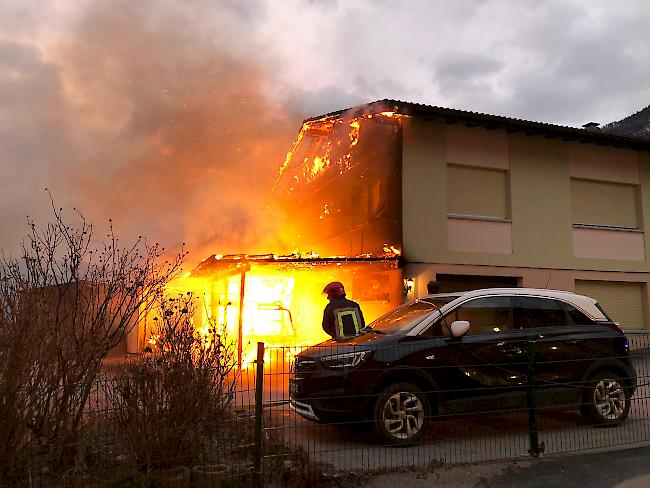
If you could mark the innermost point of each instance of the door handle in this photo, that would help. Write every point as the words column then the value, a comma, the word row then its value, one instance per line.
column 513, row 350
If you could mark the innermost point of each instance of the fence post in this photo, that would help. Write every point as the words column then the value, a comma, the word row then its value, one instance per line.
column 257, row 432
column 531, row 395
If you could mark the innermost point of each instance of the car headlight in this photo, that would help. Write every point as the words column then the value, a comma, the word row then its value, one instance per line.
column 346, row 360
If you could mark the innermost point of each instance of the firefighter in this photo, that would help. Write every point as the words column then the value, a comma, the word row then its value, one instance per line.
column 342, row 317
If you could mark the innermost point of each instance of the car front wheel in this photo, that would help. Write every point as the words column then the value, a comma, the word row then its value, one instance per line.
column 606, row 400
column 401, row 414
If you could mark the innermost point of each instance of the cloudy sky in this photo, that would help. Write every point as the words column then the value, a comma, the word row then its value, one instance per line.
column 172, row 116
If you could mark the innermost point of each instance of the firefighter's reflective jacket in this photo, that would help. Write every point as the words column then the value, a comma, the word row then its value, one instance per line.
column 343, row 318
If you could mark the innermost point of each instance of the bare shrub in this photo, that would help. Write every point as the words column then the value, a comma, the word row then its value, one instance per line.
column 64, row 304
column 173, row 402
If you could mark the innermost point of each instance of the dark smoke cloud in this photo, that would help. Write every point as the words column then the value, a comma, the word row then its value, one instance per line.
column 151, row 117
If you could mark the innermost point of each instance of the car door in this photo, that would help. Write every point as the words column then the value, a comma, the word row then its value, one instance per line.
column 564, row 343
column 488, row 363
column 544, row 324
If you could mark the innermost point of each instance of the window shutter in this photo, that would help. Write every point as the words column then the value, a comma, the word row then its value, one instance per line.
column 477, row 191
column 600, row 203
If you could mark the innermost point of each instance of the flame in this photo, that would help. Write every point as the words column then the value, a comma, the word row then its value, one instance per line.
column 354, row 133
column 326, row 211
column 153, row 340
column 291, row 152
column 316, row 137
column 318, row 166
column 283, row 300
column 391, row 250
column 274, row 310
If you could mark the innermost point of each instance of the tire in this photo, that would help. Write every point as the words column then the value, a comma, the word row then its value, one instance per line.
column 401, row 414
column 606, row 399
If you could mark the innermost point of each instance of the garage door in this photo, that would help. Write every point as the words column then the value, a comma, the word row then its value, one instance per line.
column 622, row 301
column 447, row 283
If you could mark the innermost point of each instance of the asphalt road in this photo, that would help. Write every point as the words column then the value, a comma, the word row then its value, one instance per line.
column 615, row 469
column 627, row 468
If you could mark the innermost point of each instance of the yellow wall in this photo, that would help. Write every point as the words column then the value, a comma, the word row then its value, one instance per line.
column 424, row 191
column 540, row 199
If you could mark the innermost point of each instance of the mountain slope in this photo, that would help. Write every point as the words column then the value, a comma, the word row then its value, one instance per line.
column 636, row 125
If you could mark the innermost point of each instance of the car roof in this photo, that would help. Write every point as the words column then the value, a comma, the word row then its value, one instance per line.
column 581, row 302
column 430, row 298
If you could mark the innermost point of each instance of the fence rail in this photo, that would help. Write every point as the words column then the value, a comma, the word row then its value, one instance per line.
column 260, row 439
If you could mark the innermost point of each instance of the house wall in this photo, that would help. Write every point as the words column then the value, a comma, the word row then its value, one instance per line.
column 539, row 239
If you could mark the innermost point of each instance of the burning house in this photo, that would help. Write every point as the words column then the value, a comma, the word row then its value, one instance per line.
column 277, row 299
column 395, row 199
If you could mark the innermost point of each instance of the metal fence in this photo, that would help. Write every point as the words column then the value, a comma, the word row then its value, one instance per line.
column 150, row 440
column 539, row 426
column 260, row 440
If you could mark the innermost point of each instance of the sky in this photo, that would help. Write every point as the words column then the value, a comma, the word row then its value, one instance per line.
column 172, row 117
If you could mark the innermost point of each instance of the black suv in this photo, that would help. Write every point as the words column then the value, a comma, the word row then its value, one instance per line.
column 469, row 352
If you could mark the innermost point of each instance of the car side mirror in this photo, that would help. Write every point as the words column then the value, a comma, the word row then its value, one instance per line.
column 459, row 327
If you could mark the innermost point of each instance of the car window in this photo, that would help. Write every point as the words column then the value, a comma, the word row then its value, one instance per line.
column 488, row 314
column 403, row 318
column 575, row 316
column 541, row 312
column 440, row 328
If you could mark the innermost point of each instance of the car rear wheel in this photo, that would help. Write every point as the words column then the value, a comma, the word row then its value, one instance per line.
column 606, row 400
column 401, row 414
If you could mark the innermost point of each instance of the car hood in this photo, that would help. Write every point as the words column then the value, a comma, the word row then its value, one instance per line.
column 362, row 342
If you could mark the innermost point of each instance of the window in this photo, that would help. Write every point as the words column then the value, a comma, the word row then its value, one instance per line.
column 485, row 315
column 477, row 192
column 403, row 318
column 575, row 316
column 606, row 204
column 541, row 312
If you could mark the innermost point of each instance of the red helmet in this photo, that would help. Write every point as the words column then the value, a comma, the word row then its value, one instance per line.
column 334, row 289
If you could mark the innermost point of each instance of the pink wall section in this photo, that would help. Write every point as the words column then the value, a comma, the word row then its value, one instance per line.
column 608, row 244
column 469, row 235
column 473, row 146
column 603, row 163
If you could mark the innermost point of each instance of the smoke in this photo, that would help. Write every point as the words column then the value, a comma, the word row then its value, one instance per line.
column 171, row 125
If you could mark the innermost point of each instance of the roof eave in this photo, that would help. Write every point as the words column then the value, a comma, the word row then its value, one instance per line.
column 487, row 120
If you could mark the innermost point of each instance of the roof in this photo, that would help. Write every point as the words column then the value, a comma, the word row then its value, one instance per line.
column 244, row 260
column 509, row 124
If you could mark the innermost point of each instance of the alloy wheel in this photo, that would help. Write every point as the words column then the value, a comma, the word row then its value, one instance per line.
column 403, row 415
column 610, row 399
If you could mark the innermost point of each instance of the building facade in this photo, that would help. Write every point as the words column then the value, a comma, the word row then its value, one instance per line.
column 475, row 200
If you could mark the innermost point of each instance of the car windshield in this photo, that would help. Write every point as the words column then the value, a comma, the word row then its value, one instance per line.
column 403, row 318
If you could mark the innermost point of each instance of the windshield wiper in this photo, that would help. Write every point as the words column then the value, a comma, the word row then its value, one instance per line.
column 368, row 330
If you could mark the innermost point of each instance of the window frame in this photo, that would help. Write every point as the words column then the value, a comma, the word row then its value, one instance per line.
column 522, row 315
column 443, row 323
column 446, row 324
